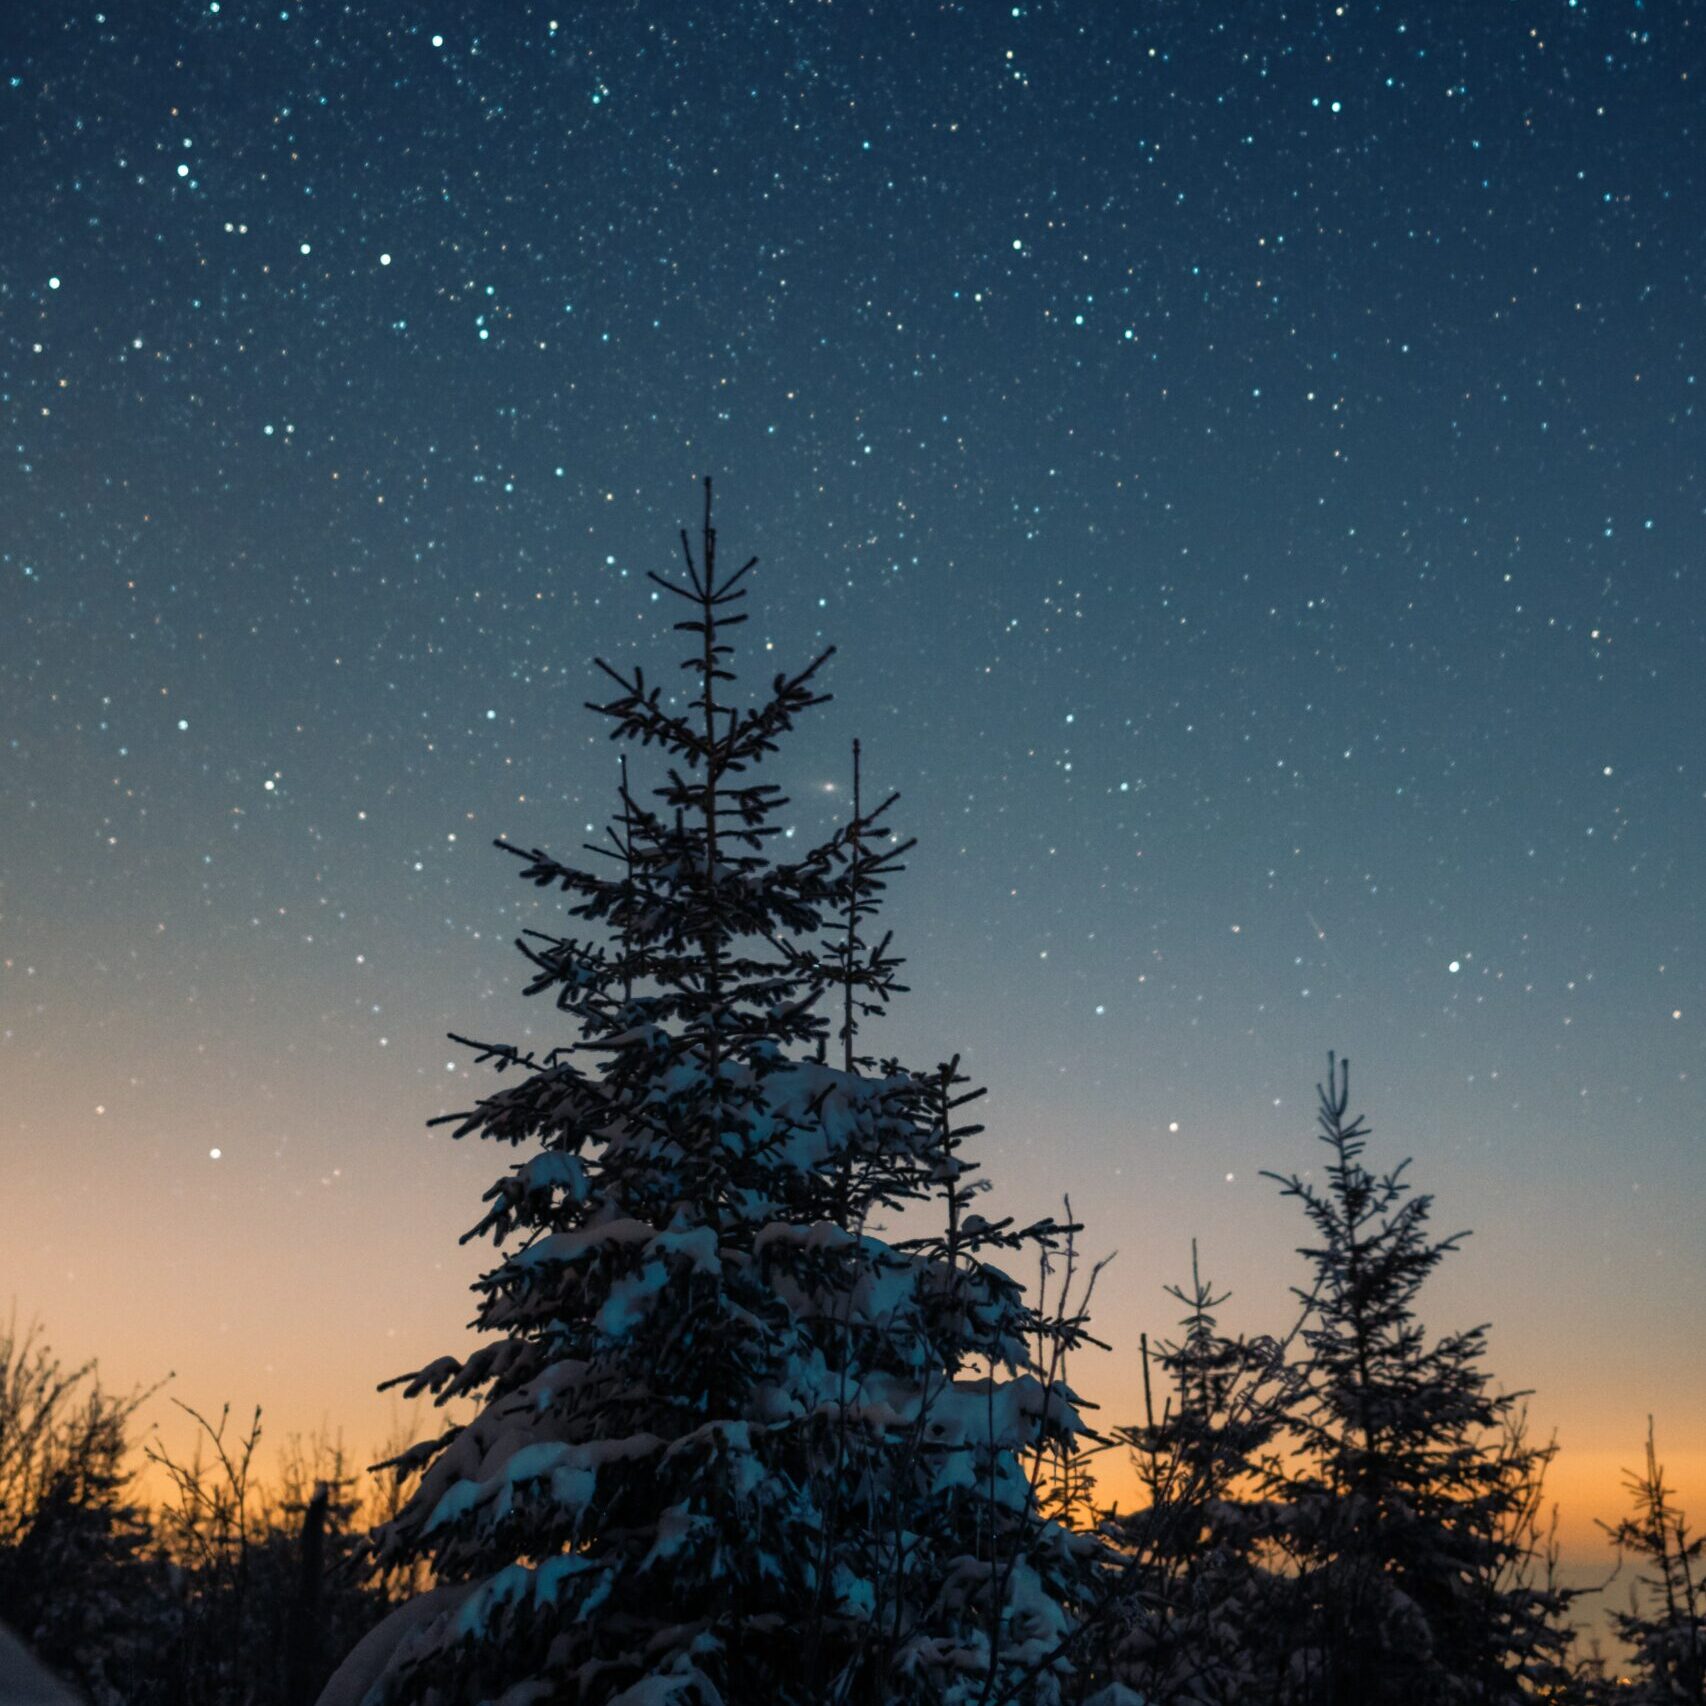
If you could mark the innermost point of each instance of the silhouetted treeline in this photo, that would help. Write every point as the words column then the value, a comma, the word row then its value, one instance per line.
column 226, row 1592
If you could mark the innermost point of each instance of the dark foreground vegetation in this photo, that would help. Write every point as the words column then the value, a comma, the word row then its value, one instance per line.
column 1397, row 1565
column 761, row 1418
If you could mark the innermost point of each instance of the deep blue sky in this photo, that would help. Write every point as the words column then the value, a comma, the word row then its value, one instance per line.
column 1248, row 457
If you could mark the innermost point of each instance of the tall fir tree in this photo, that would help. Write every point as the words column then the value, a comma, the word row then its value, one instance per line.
column 733, row 1444
column 1405, row 1508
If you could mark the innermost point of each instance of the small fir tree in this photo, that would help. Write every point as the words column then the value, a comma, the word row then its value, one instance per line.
column 732, row 1444
column 1403, row 1504
column 1665, row 1625
column 1191, row 1599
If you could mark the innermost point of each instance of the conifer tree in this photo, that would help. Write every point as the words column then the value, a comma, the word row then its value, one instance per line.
column 1190, row 1616
column 1665, row 1624
column 1403, row 1507
column 77, row 1581
column 79, row 1586
column 733, row 1444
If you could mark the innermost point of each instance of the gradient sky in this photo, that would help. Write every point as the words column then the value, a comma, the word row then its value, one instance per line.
column 1249, row 459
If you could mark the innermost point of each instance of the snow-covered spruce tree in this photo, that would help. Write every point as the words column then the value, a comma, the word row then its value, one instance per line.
column 732, row 1446
column 1191, row 1608
column 1407, row 1504
column 1665, row 1625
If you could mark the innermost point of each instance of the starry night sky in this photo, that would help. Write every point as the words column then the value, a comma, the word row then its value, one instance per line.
column 1248, row 458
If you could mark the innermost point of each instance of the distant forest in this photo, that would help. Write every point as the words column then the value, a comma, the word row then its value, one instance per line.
column 763, row 1415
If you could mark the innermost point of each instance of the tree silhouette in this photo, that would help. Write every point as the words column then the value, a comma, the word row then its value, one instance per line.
column 1665, row 1624
column 1193, row 1606
column 77, row 1579
column 1403, row 1507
